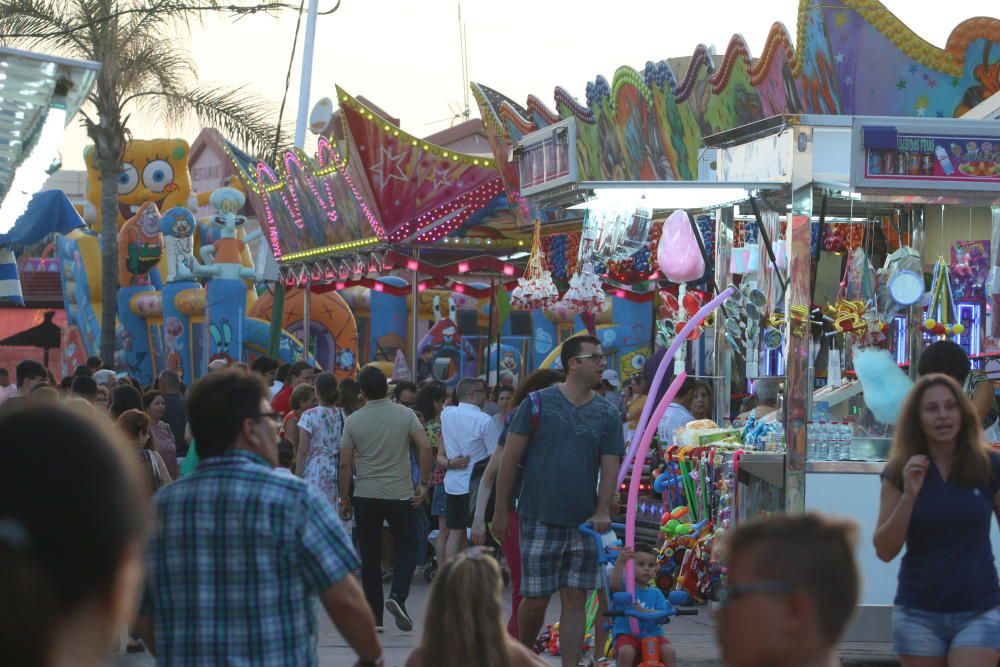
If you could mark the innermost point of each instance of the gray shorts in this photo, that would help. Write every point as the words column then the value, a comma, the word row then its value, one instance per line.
column 554, row 557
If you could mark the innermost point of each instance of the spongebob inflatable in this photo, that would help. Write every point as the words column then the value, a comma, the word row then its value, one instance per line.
column 163, row 315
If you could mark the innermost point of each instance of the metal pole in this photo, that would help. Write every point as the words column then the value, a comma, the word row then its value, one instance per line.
column 722, row 355
column 414, row 314
column 306, row 82
column 914, row 314
column 306, row 317
column 489, row 338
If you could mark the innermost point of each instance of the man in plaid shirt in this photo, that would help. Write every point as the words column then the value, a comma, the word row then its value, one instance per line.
column 240, row 554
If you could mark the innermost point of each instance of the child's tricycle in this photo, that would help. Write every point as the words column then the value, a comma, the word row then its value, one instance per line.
column 622, row 604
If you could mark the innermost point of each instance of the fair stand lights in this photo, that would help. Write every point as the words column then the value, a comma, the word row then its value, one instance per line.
column 34, row 171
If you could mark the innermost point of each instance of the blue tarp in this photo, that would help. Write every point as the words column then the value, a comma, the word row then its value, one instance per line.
column 48, row 211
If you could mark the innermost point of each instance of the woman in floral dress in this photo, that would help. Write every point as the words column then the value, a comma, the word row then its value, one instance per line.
column 320, row 429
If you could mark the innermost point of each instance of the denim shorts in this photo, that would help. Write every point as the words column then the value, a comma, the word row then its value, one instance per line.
column 929, row 634
column 439, row 502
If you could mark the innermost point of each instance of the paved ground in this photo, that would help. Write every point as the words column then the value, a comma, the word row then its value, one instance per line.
column 692, row 636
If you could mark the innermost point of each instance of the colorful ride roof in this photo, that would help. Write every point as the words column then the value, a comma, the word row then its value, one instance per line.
column 853, row 57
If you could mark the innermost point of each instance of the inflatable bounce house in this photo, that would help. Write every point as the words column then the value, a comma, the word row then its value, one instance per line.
column 187, row 288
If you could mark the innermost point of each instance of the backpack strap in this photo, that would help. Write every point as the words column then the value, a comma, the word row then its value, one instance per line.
column 536, row 409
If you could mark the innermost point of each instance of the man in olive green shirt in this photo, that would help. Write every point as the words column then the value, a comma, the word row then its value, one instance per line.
column 376, row 446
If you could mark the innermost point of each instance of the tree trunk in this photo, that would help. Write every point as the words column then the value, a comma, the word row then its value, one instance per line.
column 108, row 170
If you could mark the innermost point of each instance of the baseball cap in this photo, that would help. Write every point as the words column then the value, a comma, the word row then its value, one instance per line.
column 104, row 376
column 611, row 377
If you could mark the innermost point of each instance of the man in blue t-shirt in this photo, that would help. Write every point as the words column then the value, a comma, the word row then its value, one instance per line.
column 566, row 438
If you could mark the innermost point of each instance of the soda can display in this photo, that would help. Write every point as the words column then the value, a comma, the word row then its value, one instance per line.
column 927, row 164
column 913, row 164
column 901, row 160
column 889, row 162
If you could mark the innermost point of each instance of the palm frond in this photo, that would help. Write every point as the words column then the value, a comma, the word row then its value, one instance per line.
column 154, row 64
column 241, row 115
column 35, row 21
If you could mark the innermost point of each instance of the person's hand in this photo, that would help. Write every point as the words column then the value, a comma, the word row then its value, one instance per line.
column 346, row 512
column 501, row 524
column 419, row 496
column 459, row 462
column 914, row 473
column 601, row 522
column 478, row 530
column 626, row 554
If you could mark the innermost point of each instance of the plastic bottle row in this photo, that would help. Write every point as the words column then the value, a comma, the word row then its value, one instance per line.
column 829, row 441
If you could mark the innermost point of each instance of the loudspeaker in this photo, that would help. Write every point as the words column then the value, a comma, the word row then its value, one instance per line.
column 468, row 322
column 520, row 323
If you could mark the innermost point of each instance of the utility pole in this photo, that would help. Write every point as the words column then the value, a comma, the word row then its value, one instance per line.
column 304, row 85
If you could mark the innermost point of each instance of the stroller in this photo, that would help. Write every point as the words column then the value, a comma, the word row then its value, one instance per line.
column 621, row 604
column 431, row 566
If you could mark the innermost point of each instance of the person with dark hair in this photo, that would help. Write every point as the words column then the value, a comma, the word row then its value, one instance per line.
column 792, row 584
column 124, row 397
column 175, row 414
column 253, row 565
column 66, row 384
column 286, row 459
column 72, row 518
column 678, row 413
column 430, row 403
column 405, row 393
column 701, row 403
column 28, row 373
column 351, row 399
column 940, row 493
column 301, row 372
column 82, row 371
column 628, row 646
column 425, row 365
column 377, row 438
column 7, row 388
column 266, row 367
column 540, row 379
column 134, row 425
column 320, row 429
column 163, row 437
column 84, row 387
column 948, row 357
column 94, row 364
column 565, row 437
column 303, row 398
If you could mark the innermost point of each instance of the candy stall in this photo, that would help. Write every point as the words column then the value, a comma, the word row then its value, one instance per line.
column 882, row 239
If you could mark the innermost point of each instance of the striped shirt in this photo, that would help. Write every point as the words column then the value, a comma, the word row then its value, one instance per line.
column 236, row 565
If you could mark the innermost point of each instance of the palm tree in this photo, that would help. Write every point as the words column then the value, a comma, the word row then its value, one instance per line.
column 142, row 69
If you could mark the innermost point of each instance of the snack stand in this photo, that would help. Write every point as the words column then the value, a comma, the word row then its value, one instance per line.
column 935, row 181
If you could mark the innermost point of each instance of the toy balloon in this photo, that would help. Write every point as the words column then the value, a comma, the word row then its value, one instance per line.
column 678, row 253
column 661, row 371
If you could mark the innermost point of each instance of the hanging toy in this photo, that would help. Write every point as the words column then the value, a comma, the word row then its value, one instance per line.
column 941, row 319
column 585, row 293
column 535, row 290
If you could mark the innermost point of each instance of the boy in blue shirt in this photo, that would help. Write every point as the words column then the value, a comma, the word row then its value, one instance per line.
column 627, row 646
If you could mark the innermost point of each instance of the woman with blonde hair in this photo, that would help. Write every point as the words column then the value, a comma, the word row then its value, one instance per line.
column 940, row 491
column 463, row 624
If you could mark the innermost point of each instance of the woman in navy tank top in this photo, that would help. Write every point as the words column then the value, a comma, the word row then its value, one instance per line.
column 940, row 491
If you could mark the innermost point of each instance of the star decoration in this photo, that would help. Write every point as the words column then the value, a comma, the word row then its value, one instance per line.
column 848, row 80
column 901, row 84
column 955, row 82
column 440, row 178
column 393, row 170
column 931, row 83
column 913, row 68
column 921, row 111
column 940, row 114
column 839, row 58
column 922, row 102
column 840, row 19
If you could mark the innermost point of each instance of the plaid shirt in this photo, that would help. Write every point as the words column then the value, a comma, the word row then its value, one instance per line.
column 239, row 557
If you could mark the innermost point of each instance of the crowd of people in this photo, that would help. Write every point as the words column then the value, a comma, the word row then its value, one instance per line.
column 212, row 519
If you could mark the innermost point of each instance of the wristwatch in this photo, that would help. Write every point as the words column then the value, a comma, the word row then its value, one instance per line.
column 344, row 502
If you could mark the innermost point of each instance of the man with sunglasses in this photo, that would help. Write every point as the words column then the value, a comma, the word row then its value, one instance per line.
column 241, row 554
column 791, row 588
column 565, row 438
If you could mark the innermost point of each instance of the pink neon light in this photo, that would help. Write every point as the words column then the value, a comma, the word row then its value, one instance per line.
column 340, row 284
column 463, row 267
column 508, row 270
column 421, row 286
column 412, row 264
column 620, row 293
column 460, row 288
column 379, row 287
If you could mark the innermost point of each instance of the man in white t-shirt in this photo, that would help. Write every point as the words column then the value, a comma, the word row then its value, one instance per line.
column 678, row 413
column 465, row 432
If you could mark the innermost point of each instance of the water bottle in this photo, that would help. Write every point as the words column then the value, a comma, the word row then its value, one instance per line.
column 811, row 440
column 779, row 437
column 834, row 441
column 846, row 436
column 822, row 441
